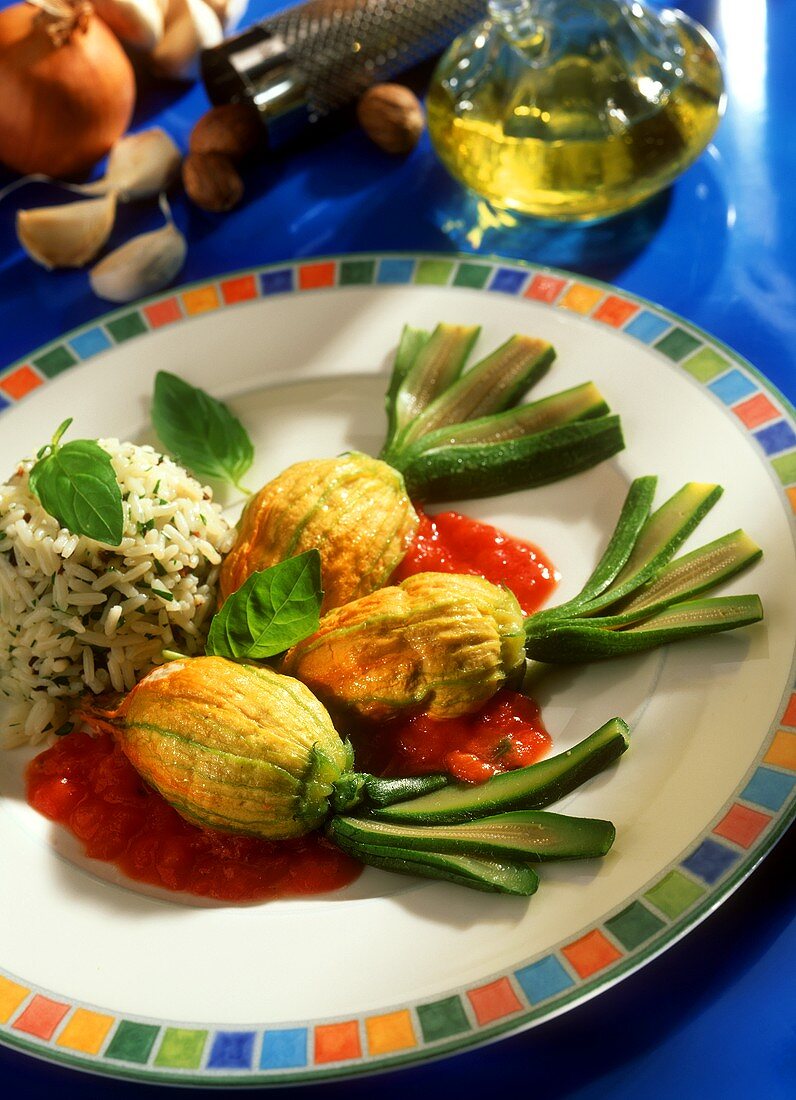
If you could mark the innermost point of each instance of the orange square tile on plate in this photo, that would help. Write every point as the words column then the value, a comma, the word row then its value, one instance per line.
column 591, row 953
column 782, row 751
column 545, row 288
column 242, row 289
column 615, row 311
column 390, row 1032
column 494, row 1001
column 581, row 298
column 41, row 1017
column 11, row 997
column 789, row 717
column 756, row 411
column 20, row 382
column 742, row 825
column 315, row 276
column 85, row 1031
column 162, row 313
column 337, row 1042
column 200, row 300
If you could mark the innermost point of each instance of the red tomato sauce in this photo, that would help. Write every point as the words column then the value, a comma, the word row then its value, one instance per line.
column 452, row 543
column 87, row 784
column 507, row 733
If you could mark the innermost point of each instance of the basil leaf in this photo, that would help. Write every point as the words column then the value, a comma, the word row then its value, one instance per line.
column 199, row 431
column 273, row 610
column 77, row 485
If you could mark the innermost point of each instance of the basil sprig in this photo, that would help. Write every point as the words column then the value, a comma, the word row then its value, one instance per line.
column 273, row 610
column 76, row 484
column 199, row 431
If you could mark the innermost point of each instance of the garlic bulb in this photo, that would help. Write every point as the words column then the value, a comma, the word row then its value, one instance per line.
column 138, row 23
column 142, row 265
column 69, row 235
column 191, row 26
column 140, row 166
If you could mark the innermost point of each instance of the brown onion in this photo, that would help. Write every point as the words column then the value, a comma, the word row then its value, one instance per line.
column 68, row 88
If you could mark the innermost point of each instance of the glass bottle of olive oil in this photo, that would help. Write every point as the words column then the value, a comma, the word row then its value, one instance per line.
column 574, row 109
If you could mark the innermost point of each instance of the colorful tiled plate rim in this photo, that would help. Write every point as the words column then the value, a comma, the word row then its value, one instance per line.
column 92, row 1037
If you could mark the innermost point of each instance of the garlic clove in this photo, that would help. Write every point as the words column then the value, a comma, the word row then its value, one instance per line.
column 140, row 166
column 140, row 266
column 229, row 12
column 191, row 26
column 69, row 235
column 138, row 23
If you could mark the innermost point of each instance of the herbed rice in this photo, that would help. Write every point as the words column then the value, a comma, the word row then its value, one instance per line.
column 75, row 614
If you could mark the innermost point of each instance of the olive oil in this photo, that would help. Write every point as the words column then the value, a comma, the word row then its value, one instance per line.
column 580, row 137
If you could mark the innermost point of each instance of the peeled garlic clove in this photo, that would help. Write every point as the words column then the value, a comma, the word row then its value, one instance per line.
column 191, row 26
column 140, row 266
column 69, row 235
column 140, row 166
column 137, row 23
column 229, row 12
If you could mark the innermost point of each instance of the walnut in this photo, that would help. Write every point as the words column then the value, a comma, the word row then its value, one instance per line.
column 212, row 181
column 392, row 116
column 232, row 129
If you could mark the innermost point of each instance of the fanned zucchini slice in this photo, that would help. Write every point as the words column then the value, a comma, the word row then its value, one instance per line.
column 490, row 469
column 520, row 835
column 494, row 384
column 493, row 876
column 527, row 788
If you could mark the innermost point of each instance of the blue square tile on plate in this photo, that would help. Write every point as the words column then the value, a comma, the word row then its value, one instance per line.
column 90, row 343
column 231, row 1050
column 508, row 280
column 543, row 979
column 395, row 271
column 710, row 860
column 284, row 1049
column 647, row 326
column 776, row 437
column 732, row 387
column 277, row 282
column 769, row 788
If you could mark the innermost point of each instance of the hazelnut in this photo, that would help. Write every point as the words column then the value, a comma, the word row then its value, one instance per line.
column 211, row 181
column 232, row 129
column 392, row 116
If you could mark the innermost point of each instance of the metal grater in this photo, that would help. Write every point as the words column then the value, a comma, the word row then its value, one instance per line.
column 301, row 65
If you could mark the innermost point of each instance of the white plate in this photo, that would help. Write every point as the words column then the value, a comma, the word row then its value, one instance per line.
column 97, row 972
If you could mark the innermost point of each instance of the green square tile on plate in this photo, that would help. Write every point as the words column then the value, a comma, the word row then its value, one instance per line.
column 132, row 1042
column 125, row 328
column 674, row 894
column 472, row 275
column 441, row 1019
column 433, row 272
column 634, row 925
column 786, row 468
column 55, row 361
column 706, row 364
column 356, row 272
column 181, row 1048
column 677, row 344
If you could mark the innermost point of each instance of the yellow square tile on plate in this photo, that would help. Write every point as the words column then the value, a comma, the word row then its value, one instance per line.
column 581, row 298
column 85, row 1031
column 200, row 300
column 391, row 1032
column 782, row 751
column 11, row 997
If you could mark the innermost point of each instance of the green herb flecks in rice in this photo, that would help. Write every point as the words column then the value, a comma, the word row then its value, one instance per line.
column 76, row 614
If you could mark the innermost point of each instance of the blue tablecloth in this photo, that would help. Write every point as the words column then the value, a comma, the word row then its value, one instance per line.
column 716, row 1014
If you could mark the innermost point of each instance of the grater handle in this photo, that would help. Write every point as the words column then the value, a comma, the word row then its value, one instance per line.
column 299, row 66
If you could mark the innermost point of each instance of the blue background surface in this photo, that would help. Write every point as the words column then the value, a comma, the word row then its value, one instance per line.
column 716, row 1014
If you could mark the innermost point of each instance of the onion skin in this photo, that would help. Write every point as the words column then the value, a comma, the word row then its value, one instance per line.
column 61, row 108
